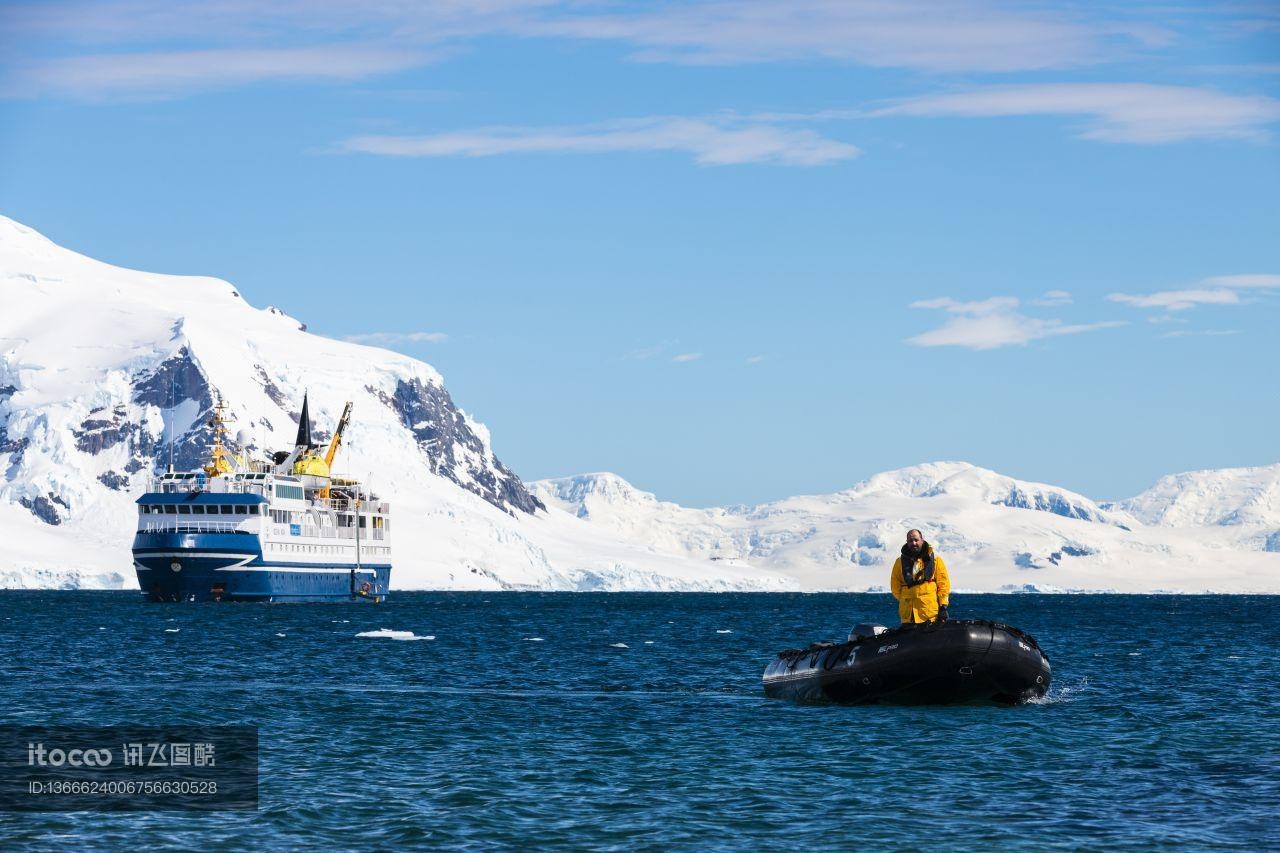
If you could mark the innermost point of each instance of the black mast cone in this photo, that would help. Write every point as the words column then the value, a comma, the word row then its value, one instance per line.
column 304, row 425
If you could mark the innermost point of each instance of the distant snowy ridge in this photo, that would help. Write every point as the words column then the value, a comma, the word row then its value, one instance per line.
column 106, row 372
column 996, row 532
column 1228, row 496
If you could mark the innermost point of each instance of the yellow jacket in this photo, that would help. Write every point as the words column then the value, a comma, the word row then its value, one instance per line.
column 919, row 602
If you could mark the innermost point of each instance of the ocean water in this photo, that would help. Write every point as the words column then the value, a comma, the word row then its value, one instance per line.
column 1160, row 726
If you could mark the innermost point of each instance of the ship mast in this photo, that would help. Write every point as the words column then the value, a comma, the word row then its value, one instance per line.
column 219, row 458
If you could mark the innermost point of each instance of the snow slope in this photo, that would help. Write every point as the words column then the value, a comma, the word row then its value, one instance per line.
column 995, row 532
column 106, row 372
column 1229, row 496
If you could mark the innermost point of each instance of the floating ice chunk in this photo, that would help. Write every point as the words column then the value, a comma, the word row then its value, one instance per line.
column 387, row 633
column 282, row 635
column 619, row 646
column 724, row 631
column 339, row 621
column 648, row 642
column 172, row 630
column 533, row 639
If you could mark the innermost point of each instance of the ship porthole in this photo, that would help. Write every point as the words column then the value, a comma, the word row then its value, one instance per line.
column 176, row 566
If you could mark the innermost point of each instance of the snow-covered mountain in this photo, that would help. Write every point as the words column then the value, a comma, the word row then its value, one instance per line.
column 997, row 533
column 1229, row 496
column 105, row 373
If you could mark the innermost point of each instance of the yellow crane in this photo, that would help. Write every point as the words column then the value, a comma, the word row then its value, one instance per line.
column 336, row 441
column 311, row 463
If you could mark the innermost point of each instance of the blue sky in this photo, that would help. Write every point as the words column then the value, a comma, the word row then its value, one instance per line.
column 731, row 251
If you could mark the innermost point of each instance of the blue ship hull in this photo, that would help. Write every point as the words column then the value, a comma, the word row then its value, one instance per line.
column 231, row 567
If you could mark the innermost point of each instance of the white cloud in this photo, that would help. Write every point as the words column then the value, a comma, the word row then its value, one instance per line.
column 756, row 359
column 712, row 142
column 1243, row 281
column 1115, row 112
column 1053, row 298
column 937, row 35
column 993, row 305
column 1177, row 300
column 993, row 323
column 647, row 352
column 686, row 357
column 388, row 338
column 1204, row 333
column 1214, row 290
column 174, row 73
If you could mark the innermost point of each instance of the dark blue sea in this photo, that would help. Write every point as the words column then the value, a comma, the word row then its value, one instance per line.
column 1162, row 725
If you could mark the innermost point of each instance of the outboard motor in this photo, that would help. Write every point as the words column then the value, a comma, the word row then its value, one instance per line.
column 865, row 629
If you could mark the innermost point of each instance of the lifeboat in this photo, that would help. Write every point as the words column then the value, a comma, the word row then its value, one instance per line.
column 935, row 663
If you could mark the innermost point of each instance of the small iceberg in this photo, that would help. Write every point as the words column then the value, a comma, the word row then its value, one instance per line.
column 387, row 633
column 724, row 631
column 282, row 635
column 172, row 630
column 533, row 639
column 619, row 646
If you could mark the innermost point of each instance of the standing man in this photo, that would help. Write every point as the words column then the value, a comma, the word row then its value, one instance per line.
column 919, row 582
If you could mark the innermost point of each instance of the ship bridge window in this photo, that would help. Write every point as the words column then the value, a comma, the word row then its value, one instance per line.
column 184, row 509
column 197, row 509
column 228, row 509
column 170, row 508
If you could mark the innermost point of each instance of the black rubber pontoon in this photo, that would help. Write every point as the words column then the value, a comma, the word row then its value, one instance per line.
column 936, row 663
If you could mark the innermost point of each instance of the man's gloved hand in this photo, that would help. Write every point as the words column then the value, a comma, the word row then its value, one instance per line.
column 942, row 613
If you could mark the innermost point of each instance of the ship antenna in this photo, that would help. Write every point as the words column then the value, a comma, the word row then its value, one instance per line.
column 170, row 422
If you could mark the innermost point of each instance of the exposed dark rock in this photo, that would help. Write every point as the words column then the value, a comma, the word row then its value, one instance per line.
column 437, row 425
column 112, row 480
column 273, row 390
column 1054, row 503
column 43, row 507
column 102, row 430
column 14, row 445
column 175, row 381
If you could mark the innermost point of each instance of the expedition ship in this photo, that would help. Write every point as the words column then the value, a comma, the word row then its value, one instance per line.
column 284, row 530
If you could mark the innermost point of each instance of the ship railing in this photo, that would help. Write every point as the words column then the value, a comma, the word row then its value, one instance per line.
column 344, row 505
column 190, row 527
column 223, row 487
column 370, row 534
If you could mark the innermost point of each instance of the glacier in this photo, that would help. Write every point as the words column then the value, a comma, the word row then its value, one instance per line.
column 107, row 374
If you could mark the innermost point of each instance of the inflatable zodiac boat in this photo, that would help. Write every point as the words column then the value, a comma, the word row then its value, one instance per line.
column 935, row 663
